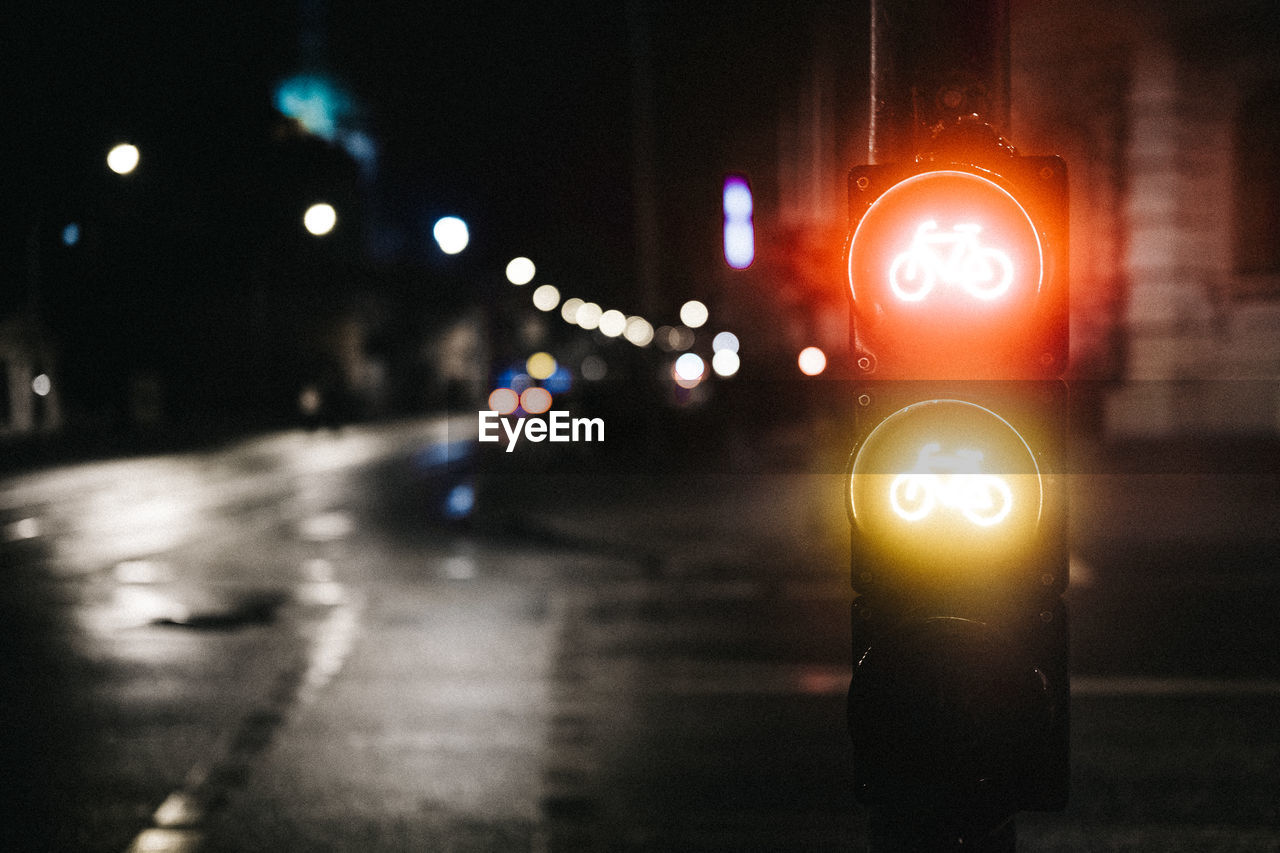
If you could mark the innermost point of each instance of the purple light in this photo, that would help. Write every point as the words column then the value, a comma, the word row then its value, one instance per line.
column 739, row 233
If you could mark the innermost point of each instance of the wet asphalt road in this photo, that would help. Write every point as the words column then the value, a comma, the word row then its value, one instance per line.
column 283, row 644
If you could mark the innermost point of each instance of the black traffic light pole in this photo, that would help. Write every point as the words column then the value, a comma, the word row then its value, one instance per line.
column 933, row 62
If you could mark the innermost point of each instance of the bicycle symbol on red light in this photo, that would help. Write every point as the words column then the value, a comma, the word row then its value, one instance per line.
column 954, row 257
column 953, row 480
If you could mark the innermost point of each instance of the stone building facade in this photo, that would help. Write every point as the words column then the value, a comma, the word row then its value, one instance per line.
column 1169, row 116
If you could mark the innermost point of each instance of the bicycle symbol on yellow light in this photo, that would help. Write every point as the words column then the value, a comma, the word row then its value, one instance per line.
column 953, row 480
column 954, row 257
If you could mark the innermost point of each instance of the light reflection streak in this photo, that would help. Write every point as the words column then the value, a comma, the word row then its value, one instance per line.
column 26, row 528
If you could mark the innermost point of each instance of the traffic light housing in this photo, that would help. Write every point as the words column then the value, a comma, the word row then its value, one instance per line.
column 958, row 269
column 957, row 272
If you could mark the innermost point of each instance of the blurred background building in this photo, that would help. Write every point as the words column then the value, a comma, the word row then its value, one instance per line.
column 1168, row 118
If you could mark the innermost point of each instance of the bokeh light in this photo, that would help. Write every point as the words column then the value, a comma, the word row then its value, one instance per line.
column 520, row 271
column 535, row 400
column 71, row 234
column 451, row 234
column 690, row 367
column 42, row 385
column 320, row 218
column 725, row 341
column 737, row 197
column 639, row 331
column 812, row 361
column 569, row 310
column 317, row 102
column 725, row 363
column 674, row 338
column 540, row 365
column 612, row 323
column 460, row 501
column 588, row 316
column 693, row 314
column 739, row 233
column 503, row 401
column 546, row 297
column 560, row 381
column 123, row 158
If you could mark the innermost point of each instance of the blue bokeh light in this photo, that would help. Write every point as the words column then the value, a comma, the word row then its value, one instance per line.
column 460, row 501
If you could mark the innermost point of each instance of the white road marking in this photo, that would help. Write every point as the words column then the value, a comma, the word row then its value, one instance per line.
column 176, row 823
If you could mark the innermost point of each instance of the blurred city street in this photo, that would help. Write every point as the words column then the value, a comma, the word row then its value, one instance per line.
column 284, row 643
column 646, row 427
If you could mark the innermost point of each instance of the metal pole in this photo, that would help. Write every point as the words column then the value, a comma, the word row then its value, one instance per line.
column 933, row 61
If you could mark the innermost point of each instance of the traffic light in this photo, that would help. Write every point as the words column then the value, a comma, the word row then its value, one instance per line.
column 957, row 268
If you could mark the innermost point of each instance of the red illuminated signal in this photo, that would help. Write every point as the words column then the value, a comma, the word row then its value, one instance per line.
column 956, row 257
column 959, row 272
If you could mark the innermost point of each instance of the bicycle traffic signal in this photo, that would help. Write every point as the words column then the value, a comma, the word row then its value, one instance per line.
column 957, row 269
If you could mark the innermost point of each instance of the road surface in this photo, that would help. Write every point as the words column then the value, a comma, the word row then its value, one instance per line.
column 286, row 643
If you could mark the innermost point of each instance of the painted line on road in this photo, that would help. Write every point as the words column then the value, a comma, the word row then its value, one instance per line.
column 177, row 824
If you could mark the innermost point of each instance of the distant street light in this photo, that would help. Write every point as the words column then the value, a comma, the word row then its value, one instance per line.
column 123, row 158
column 639, row 331
column 725, row 363
column 520, row 271
column 689, row 370
column 320, row 218
column 546, row 297
column 693, row 314
column 451, row 234
column 613, row 323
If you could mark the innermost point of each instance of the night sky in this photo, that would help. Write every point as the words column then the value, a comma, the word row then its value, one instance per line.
column 524, row 119
column 517, row 116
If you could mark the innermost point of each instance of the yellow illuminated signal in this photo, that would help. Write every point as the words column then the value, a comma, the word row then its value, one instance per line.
column 945, row 486
column 955, row 481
